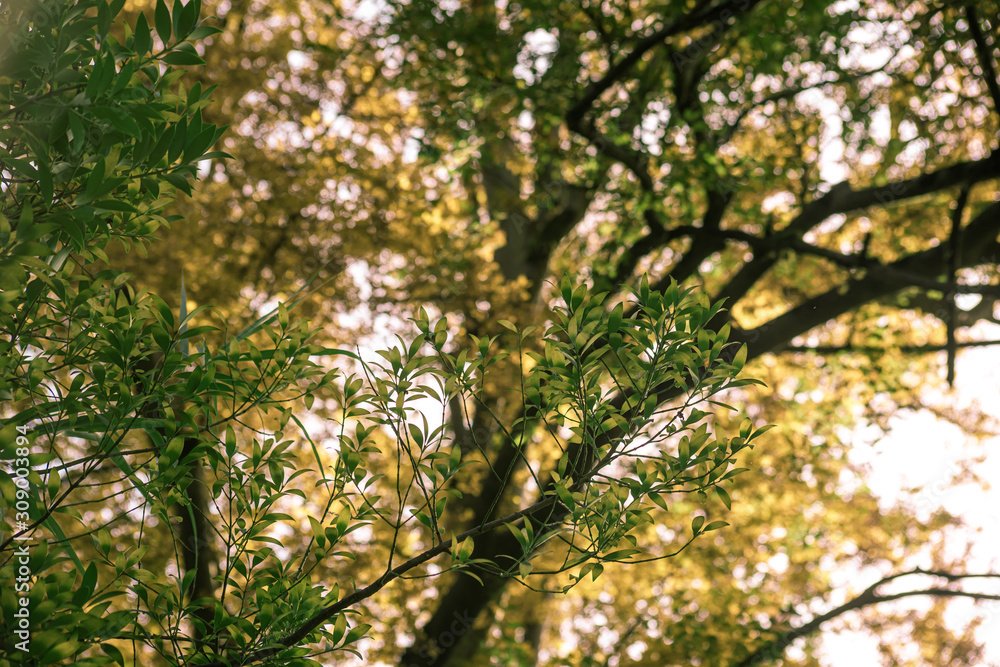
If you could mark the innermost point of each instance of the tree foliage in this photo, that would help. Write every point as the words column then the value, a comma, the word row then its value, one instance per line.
column 834, row 189
column 836, row 186
column 123, row 440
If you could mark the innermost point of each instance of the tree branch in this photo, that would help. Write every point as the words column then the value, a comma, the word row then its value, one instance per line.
column 842, row 199
column 770, row 245
column 985, row 56
column 723, row 13
column 295, row 637
column 954, row 255
column 963, row 318
column 874, row 349
column 870, row 596
column 977, row 239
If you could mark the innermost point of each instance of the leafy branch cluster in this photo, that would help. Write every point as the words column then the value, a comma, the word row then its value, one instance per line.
column 161, row 485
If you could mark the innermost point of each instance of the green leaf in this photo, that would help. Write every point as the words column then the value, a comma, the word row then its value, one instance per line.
column 104, row 541
column 87, row 586
column 178, row 180
column 198, row 145
column 45, row 182
column 31, row 249
column 112, row 652
column 465, row 549
column 143, row 40
column 203, row 31
column 520, row 536
column 123, row 78
column 183, row 58
column 740, row 359
column 94, row 183
column 615, row 318
column 724, row 497
column 659, row 501
column 185, row 19
column 196, row 331
column 179, row 141
column 621, row 554
column 319, row 533
column 103, row 18
column 60, row 652
column 162, row 20
column 356, row 633
column 416, row 434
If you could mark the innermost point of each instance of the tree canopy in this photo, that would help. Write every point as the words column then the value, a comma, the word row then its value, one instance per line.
column 806, row 188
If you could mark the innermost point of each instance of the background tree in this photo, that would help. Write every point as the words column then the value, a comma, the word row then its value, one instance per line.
column 836, row 186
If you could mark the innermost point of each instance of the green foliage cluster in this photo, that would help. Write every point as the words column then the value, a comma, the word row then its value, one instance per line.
column 185, row 494
column 97, row 132
column 127, row 437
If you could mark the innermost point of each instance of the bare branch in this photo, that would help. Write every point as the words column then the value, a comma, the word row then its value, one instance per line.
column 978, row 238
column 873, row 349
column 774, row 650
column 842, row 199
column 722, row 12
column 954, row 254
column 985, row 56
